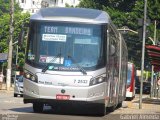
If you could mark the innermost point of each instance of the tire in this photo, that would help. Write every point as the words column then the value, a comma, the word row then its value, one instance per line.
column 111, row 109
column 119, row 105
column 15, row 95
column 38, row 107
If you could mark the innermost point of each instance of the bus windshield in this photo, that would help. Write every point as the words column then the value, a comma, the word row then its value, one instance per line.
column 64, row 45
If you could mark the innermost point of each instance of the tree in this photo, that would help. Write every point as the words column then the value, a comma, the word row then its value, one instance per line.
column 5, row 7
column 121, row 5
column 19, row 19
column 126, row 13
column 154, row 15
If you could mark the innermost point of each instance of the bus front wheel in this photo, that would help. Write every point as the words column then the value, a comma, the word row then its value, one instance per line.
column 38, row 107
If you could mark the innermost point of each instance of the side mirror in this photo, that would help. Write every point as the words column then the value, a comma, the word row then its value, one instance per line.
column 112, row 50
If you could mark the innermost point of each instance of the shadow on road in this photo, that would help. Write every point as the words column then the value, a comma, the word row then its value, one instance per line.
column 22, row 109
column 74, row 111
column 60, row 111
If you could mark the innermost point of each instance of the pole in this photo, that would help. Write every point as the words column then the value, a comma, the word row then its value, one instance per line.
column 2, row 67
column 16, row 60
column 10, row 46
column 155, row 31
column 154, row 43
column 152, row 79
column 16, row 54
column 143, row 53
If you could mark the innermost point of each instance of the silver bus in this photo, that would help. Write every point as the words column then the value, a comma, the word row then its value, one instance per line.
column 74, row 56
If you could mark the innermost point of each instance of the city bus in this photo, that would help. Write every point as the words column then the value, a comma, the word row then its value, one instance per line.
column 74, row 56
column 130, row 91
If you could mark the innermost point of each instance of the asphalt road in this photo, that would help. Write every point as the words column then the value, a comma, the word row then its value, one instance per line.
column 13, row 108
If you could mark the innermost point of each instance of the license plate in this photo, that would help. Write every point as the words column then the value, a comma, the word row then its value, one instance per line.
column 62, row 97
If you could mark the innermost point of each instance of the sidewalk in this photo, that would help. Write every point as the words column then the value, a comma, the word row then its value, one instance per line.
column 4, row 88
column 149, row 106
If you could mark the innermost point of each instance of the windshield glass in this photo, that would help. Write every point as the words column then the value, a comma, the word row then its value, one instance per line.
column 64, row 45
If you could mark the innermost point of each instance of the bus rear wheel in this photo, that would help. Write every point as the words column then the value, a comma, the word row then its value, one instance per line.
column 38, row 107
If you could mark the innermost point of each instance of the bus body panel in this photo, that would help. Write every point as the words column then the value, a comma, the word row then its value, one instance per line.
column 76, row 86
column 93, row 93
column 82, row 15
column 130, row 91
column 130, row 94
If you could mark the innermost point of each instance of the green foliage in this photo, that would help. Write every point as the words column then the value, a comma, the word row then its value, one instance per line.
column 67, row 5
column 4, row 32
column 90, row 4
column 19, row 19
column 120, row 5
column 5, row 7
column 126, row 13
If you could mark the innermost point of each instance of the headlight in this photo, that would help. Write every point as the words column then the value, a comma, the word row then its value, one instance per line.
column 30, row 76
column 97, row 80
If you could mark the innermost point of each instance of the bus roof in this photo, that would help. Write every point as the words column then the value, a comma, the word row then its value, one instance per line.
column 71, row 14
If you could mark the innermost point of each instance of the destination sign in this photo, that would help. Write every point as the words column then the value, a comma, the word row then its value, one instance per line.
column 79, row 31
column 67, row 30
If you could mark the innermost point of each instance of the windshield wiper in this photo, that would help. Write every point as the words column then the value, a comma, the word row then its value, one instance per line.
column 50, row 62
column 80, row 67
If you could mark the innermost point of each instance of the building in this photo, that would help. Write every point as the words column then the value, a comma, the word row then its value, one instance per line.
column 33, row 6
column 61, row 3
column 30, row 6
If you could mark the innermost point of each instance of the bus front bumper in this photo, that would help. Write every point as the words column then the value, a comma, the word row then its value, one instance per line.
column 48, row 94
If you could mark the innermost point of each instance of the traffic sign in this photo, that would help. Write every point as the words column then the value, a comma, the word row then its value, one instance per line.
column 3, row 57
column 1, row 61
